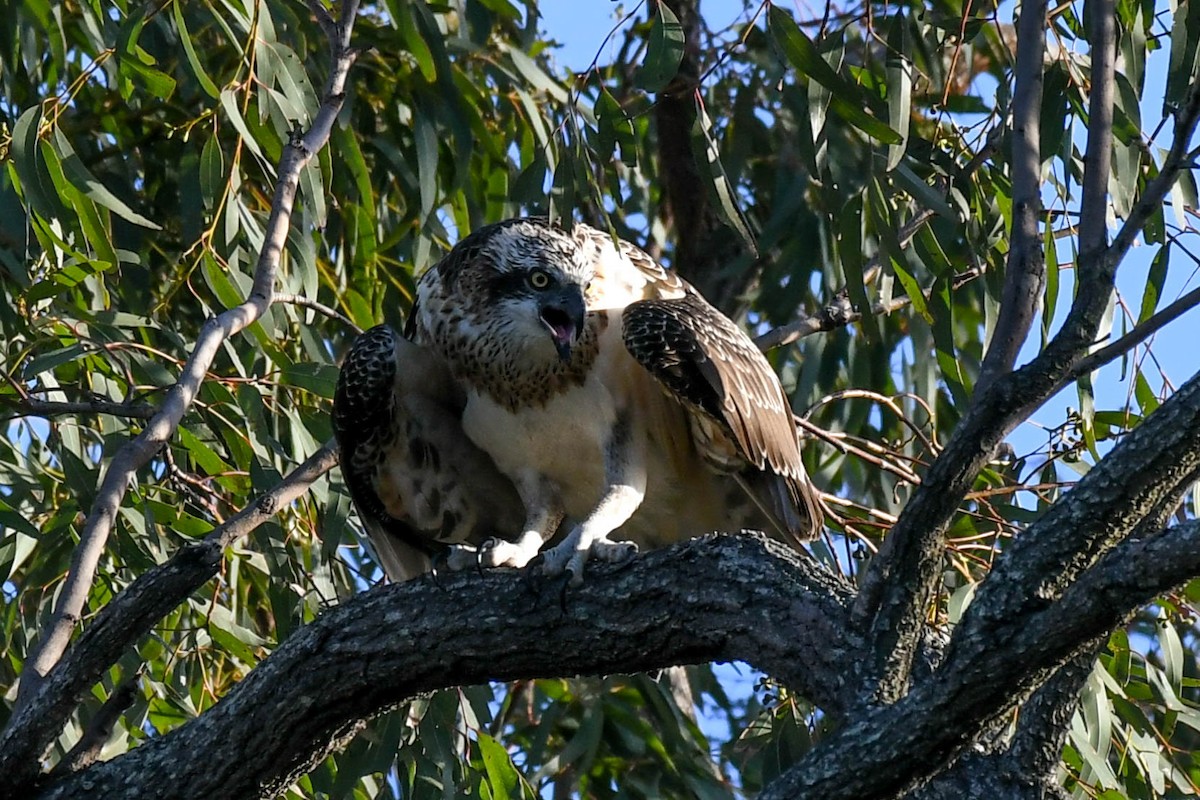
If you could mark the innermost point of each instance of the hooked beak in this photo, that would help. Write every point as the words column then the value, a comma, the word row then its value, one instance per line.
column 563, row 314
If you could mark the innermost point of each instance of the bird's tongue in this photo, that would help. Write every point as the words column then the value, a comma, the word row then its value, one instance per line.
column 560, row 325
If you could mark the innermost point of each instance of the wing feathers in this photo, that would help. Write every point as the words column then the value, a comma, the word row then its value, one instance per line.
column 709, row 364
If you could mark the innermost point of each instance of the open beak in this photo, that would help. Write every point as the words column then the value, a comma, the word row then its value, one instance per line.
column 563, row 315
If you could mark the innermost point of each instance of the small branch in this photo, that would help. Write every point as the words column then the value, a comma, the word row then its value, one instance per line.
column 130, row 615
column 29, row 407
column 1133, row 338
column 135, row 454
column 87, row 750
column 1025, row 274
column 1097, row 160
column 320, row 308
column 841, row 313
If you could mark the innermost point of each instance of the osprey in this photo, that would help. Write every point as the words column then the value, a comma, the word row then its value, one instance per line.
column 419, row 484
column 589, row 382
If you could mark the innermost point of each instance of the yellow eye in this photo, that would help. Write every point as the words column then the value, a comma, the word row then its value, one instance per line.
column 539, row 279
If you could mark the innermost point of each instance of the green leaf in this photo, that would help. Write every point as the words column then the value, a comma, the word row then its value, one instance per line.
column 899, row 83
column 417, row 48
column 722, row 188
column 664, row 51
column 1184, row 69
column 189, row 50
column 503, row 778
column 1154, row 283
column 212, row 172
column 1050, row 293
column 427, row 162
column 805, row 57
column 30, row 166
column 229, row 103
column 320, row 379
column 82, row 179
column 889, row 242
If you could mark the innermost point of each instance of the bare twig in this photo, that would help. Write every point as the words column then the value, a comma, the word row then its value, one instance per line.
column 1025, row 274
column 29, row 407
column 320, row 308
column 840, row 313
column 135, row 454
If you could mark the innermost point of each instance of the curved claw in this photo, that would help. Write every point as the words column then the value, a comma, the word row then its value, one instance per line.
column 570, row 557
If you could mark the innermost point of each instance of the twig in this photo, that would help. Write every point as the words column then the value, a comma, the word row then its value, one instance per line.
column 840, row 313
column 136, row 453
column 839, row 442
column 1133, row 338
column 320, row 308
column 30, row 407
column 1025, row 274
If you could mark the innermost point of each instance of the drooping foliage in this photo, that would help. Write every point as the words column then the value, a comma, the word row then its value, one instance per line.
column 842, row 183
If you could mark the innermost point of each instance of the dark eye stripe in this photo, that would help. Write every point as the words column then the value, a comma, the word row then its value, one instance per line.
column 509, row 284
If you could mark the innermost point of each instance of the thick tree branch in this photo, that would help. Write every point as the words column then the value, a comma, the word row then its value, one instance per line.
column 1025, row 273
column 1142, row 475
column 900, row 582
column 1064, row 582
column 716, row 598
column 132, row 614
column 891, row 747
column 158, row 431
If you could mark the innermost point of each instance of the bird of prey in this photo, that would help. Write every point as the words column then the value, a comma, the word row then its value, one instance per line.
column 419, row 484
column 609, row 393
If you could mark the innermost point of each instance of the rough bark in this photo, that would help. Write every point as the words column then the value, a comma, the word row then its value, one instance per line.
column 705, row 244
column 717, row 598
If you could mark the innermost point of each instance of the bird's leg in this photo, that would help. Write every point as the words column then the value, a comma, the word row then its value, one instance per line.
column 543, row 513
column 625, row 479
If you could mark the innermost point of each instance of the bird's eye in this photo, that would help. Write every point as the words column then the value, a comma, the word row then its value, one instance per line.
column 539, row 279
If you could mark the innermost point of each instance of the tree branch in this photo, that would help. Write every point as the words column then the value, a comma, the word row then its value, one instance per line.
column 129, row 616
column 29, row 407
column 841, row 313
column 890, row 748
column 1025, row 274
column 1133, row 338
column 714, row 598
column 320, row 308
column 1097, row 160
column 899, row 583
column 158, row 431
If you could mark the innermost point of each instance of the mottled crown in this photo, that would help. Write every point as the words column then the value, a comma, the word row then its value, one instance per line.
column 523, row 244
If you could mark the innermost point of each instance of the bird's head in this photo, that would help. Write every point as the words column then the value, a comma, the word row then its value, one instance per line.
column 537, row 284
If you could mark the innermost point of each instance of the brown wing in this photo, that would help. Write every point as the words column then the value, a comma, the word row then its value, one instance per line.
column 709, row 364
column 417, row 481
